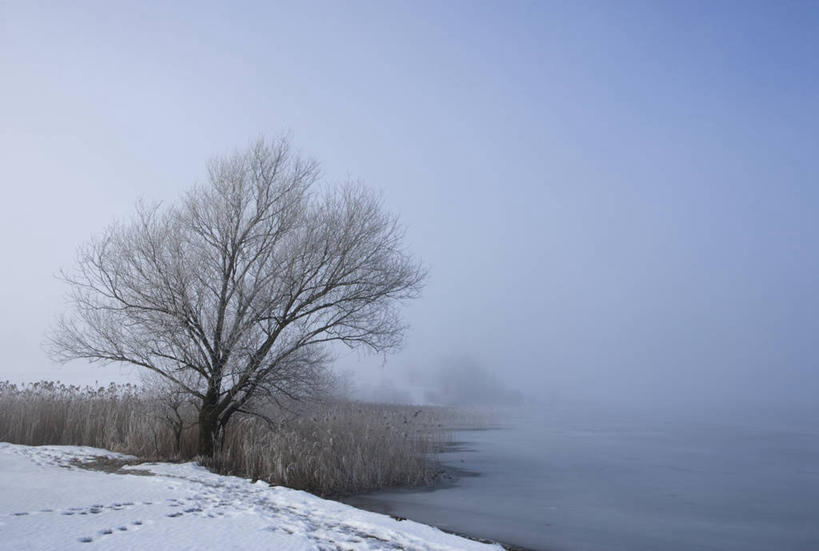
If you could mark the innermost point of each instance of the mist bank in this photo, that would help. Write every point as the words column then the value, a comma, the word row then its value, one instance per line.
column 776, row 417
column 465, row 381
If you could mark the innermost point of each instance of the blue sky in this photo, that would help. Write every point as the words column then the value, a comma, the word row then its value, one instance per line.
column 617, row 201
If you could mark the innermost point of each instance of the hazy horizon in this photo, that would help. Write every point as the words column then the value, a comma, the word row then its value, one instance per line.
column 617, row 203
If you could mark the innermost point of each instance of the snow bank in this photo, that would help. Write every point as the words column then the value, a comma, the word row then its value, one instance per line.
column 48, row 502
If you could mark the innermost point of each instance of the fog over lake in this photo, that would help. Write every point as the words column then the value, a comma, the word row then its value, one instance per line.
column 616, row 202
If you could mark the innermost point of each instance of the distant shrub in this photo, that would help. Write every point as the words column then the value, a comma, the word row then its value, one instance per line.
column 332, row 447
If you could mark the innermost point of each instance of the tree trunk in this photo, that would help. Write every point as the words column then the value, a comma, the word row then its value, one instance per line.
column 208, row 424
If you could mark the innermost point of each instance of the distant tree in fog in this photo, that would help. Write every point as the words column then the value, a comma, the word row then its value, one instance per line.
column 234, row 293
column 463, row 382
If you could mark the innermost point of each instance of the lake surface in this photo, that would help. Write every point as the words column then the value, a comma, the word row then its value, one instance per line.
column 632, row 487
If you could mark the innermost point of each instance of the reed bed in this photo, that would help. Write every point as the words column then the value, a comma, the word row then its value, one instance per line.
column 330, row 447
column 117, row 417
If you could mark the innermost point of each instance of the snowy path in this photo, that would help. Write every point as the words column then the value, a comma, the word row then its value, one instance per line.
column 48, row 502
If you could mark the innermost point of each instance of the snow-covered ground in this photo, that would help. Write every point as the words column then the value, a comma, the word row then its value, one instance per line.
column 48, row 501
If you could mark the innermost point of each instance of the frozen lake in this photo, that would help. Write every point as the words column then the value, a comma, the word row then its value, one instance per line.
column 626, row 487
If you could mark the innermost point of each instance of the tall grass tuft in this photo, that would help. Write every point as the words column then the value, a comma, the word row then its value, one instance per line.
column 333, row 447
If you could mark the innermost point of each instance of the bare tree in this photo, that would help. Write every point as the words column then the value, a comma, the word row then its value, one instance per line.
column 234, row 293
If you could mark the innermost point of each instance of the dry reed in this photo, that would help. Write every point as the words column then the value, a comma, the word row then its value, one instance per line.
column 332, row 447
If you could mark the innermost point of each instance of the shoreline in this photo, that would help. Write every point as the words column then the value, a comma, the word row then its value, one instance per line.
column 361, row 502
column 449, row 477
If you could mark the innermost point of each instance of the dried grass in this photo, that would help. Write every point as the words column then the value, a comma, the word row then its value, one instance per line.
column 333, row 447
